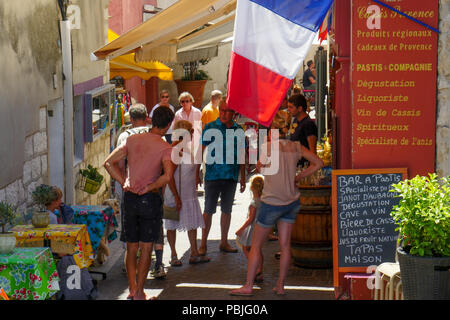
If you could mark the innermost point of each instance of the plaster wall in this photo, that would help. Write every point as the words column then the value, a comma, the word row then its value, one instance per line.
column 217, row 69
column 165, row 3
column 124, row 15
column 93, row 34
column 31, row 55
column 115, row 21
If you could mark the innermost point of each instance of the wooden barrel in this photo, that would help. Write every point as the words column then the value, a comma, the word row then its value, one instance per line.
column 311, row 239
column 312, row 226
column 312, row 255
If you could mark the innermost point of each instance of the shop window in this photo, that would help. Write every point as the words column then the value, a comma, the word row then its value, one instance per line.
column 99, row 111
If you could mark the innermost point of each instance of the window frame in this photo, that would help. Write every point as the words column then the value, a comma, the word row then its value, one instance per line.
column 89, row 98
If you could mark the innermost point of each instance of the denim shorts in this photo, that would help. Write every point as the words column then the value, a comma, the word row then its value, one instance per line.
column 226, row 189
column 268, row 215
column 142, row 221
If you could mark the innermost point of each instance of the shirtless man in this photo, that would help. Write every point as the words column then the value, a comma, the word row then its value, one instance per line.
column 147, row 155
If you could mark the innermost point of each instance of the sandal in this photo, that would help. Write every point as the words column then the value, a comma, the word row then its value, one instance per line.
column 198, row 259
column 259, row 278
column 237, row 292
column 228, row 249
column 278, row 293
column 175, row 262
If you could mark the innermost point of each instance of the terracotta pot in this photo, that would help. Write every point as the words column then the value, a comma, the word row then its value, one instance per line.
column 7, row 242
column 194, row 87
column 40, row 219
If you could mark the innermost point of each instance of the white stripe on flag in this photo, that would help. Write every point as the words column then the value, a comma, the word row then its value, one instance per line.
column 269, row 39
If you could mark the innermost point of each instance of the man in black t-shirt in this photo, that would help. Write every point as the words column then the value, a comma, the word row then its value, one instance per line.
column 303, row 128
column 309, row 76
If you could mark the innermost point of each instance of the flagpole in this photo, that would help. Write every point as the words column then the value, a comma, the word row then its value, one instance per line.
column 405, row 15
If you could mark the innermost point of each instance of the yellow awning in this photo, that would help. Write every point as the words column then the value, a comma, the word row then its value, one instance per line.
column 162, row 34
column 126, row 67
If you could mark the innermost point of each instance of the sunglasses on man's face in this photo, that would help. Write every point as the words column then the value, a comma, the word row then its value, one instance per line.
column 165, row 97
column 185, row 101
column 229, row 111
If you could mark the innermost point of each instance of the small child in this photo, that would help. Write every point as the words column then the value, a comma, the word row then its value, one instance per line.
column 244, row 233
column 59, row 212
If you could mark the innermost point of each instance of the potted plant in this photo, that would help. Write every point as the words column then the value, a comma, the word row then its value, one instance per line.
column 42, row 196
column 194, row 80
column 7, row 239
column 423, row 219
column 91, row 179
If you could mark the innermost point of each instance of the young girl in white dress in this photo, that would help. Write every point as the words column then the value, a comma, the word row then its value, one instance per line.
column 184, row 197
column 245, row 232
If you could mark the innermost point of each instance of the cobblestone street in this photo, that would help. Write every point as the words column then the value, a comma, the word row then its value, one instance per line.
column 226, row 271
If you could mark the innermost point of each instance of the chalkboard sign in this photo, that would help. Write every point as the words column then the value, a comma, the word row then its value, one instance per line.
column 363, row 230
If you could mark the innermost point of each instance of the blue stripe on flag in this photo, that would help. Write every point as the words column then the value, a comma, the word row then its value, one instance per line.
column 306, row 13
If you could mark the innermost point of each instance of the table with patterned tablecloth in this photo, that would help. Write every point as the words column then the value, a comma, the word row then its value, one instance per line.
column 100, row 221
column 70, row 239
column 29, row 274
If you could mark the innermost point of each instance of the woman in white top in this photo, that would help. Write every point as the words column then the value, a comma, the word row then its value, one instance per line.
column 181, row 192
column 163, row 102
column 280, row 198
column 189, row 112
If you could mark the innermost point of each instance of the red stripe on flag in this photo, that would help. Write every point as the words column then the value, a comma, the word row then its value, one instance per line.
column 254, row 91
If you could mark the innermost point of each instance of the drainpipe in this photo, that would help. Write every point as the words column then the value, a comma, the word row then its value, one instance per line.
column 68, row 110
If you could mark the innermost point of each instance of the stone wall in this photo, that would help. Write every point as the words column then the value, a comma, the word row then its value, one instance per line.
column 35, row 168
column 95, row 153
column 443, row 88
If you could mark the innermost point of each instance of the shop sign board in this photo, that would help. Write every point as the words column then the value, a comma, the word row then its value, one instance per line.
column 394, row 68
column 364, row 233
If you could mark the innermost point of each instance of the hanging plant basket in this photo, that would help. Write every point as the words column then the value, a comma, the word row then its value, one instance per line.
column 90, row 186
column 91, row 180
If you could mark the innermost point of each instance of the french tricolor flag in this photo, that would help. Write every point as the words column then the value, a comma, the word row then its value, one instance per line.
column 271, row 40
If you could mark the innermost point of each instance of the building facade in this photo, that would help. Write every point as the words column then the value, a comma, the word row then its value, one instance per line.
column 43, row 96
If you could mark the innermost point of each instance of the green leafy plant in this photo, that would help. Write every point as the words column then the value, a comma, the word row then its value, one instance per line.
column 43, row 195
column 91, row 173
column 7, row 215
column 423, row 215
column 191, row 71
